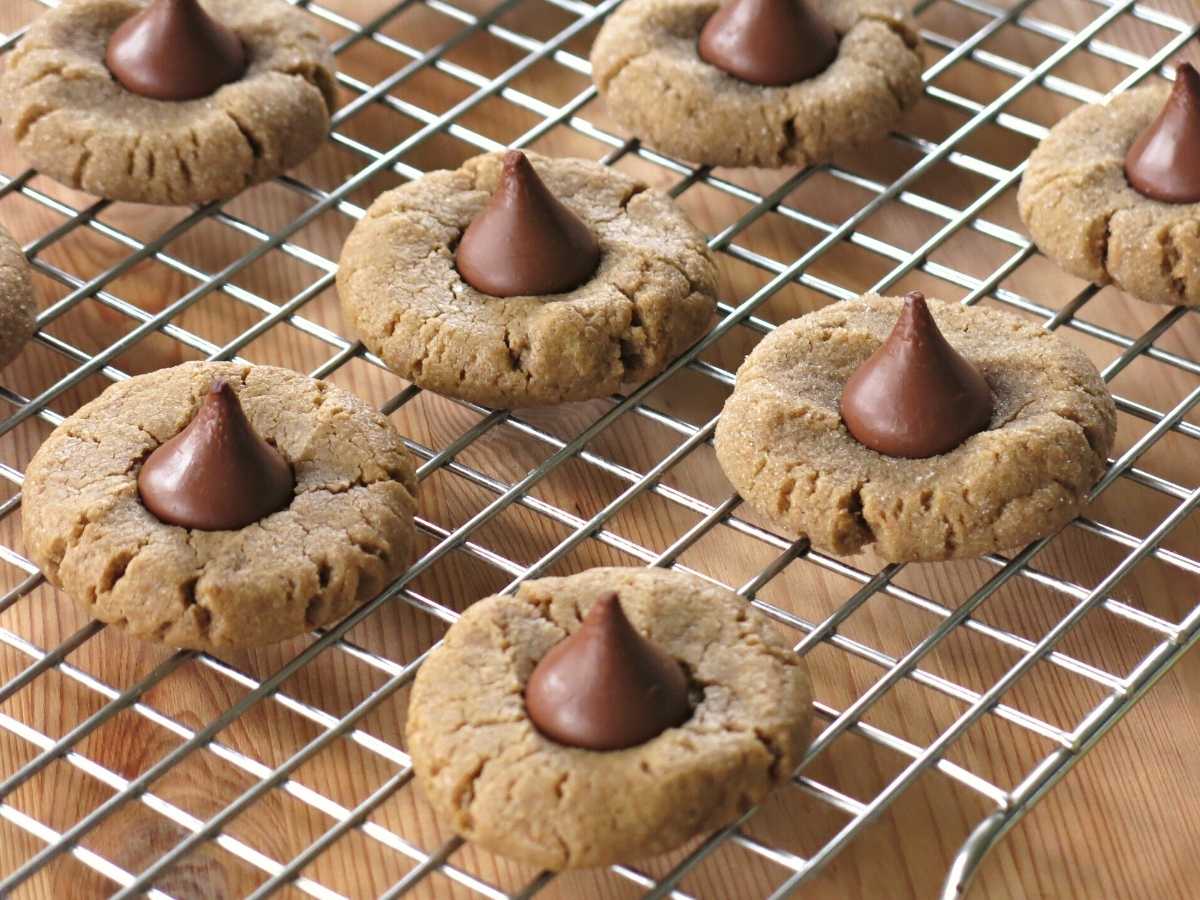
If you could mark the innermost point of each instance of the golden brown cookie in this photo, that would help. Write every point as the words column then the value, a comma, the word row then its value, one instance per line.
column 651, row 297
column 1083, row 214
column 17, row 306
column 490, row 773
column 347, row 532
column 647, row 68
column 783, row 445
column 76, row 123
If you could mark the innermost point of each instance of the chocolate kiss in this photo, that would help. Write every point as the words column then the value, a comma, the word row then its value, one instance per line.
column 217, row 474
column 606, row 687
column 768, row 42
column 916, row 396
column 525, row 241
column 1164, row 163
column 174, row 50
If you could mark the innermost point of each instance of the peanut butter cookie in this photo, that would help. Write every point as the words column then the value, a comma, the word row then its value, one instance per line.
column 648, row 68
column 503, row 783
column 343, row 534
column 783, row 444
column 16, row 299
column 1085, row 214
column 77, row 123
column 402, row 291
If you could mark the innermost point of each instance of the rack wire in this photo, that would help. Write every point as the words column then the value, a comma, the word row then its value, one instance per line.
column 461, row 463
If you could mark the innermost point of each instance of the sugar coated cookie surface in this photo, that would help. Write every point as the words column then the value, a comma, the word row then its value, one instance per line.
column 75, row 122
column 500, row 782
column 17, row 306
column 648, row 69
column 1083, row 213
column 652, row 295
column 346, row 533
column 782, row 442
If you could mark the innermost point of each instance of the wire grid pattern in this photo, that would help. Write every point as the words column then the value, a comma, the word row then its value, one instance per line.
column 1119, row 691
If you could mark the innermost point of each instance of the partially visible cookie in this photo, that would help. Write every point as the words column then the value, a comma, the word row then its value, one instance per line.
column 1084, row 214
column 784, row 445
column 647, row 67
column 346, row 533
column 17, row 306
column 76, row 123
column 503, row 784
column 652, row 295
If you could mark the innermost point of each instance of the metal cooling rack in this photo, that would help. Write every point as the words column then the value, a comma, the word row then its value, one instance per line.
column 1118, row 692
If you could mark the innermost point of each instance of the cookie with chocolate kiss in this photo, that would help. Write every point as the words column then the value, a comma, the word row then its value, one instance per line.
column 567, row 711
column 916, row 429
column 226, row 505
column 169, row 102
column 764, row 83
column 1112, row 193
column 526, row 280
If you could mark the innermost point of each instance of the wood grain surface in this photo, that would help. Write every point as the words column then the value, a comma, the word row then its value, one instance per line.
column 1125, row 824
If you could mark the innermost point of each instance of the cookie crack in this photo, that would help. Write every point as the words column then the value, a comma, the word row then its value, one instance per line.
column 638, row 188
column 558, row 785
column 1105, row 242
column 789, row 139
column 51, row 71
column 773, row 750
column 131, row 161
column 1092, row 436
column 896, row 26
column 62, row 546
column 882, row 73
column 319, row 78
column 463, row 795
column 480, row 722
column 1171, row 257
column 80, row 169
column 854, row 506
column 116, row 568
column 31, row 115
column 674, row 264
column 185, row 169
column 784, row 501
column 253, row 143
column 1016, row 414
column 1064, row 485
column 609, row 75
column 515, row 356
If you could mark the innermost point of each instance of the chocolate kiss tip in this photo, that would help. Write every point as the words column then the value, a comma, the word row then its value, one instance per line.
column 916, row 396
column 1164, row 162
column 525, row 242
column 768, row 42
column 174, row 50
column 606, row 687
column 217, row 474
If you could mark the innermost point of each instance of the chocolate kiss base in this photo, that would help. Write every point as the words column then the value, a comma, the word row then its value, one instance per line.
column 768, row 42
column 1164, row 162
column 916, row 396
column 606, row 687
column 525, row 242
column 174, row 50
column 217, row 474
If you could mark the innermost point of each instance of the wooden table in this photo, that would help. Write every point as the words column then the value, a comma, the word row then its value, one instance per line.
column 1123, row 825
